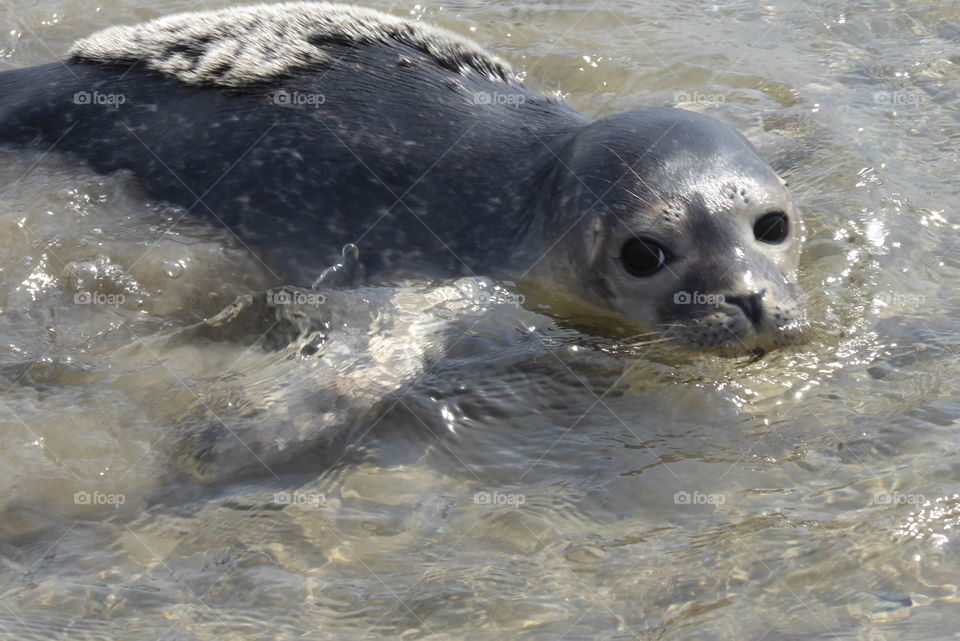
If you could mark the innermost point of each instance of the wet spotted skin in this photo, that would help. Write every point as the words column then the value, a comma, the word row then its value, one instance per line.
column 399, row 157
column 436, row 170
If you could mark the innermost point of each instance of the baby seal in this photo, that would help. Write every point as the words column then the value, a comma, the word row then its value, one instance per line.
column 305, row 126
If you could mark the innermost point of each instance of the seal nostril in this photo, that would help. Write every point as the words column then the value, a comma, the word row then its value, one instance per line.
column 751, row 305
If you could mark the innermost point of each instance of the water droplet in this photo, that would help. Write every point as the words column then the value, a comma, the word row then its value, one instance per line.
column 173, row 268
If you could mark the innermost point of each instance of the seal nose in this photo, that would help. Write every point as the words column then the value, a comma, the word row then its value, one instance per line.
column 751, row 305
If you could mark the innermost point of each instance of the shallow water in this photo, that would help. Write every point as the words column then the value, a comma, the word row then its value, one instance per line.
column 436, row 461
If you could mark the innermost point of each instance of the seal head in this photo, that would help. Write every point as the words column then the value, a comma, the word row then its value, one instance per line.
column 673, row 220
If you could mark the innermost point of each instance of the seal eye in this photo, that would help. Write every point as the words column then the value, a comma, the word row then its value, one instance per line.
column 772, row 228
column 642, row 257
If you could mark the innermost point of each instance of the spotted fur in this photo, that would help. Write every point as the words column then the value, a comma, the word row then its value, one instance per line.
column 240, row 46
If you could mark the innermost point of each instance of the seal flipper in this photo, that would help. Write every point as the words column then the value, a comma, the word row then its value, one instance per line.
column 346, row 273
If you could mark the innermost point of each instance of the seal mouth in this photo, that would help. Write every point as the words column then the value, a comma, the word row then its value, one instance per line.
column 754, row 355
column 737, row 341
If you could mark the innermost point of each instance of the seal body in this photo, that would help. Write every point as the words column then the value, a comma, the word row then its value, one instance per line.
column 302, row 127
column 427, row 168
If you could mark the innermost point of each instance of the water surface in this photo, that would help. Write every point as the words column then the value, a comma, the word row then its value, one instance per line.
column 438, row 462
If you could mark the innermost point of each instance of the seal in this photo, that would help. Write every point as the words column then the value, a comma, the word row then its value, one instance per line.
column 306, row 126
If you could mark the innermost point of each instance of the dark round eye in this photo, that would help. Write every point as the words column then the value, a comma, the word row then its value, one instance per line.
column 772, row 228
column 642, row 257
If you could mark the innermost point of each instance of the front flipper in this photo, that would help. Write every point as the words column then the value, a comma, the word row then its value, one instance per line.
column 346, row 273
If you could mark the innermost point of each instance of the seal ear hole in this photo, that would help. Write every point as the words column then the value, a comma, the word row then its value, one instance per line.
column 772, row 228
column 642, row 258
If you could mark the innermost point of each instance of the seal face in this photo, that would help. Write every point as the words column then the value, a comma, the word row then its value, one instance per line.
column 422, row 149
column 673, row 220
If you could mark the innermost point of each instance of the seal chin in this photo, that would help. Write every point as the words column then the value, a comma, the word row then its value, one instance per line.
column 732, row 331
column 733, row 344
column 756, row 343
